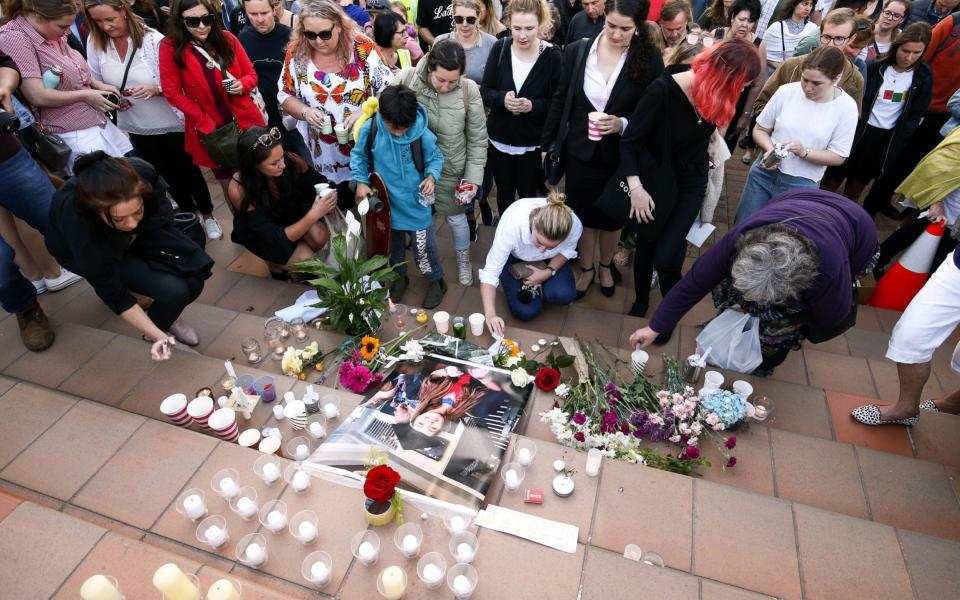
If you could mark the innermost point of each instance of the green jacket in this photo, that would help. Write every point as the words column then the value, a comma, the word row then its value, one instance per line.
column 458, row 120
column 936, row 175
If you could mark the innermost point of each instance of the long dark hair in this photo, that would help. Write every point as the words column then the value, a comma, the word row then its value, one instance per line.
column 103, row 181
column 914, row 32
column 787, row 11
column 216, row 43
column 641, row 46
column 259, row 190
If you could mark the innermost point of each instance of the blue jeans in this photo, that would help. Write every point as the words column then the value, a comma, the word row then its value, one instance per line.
column 559, row 289
column 762, row 185
column 27, row 193
column 425, row 253
column 460, row 230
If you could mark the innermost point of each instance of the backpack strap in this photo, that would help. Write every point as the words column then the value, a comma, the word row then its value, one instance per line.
column 954, row 34
column 416, row 148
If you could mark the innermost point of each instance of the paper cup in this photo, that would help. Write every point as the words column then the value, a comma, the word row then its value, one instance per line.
column 270, row 445
column 638, row 360
column 476, row 324
column 249, row 438
column 175, row 408
column 441, row 319
column 744, row 389
column 223, row 422
column 593, row 134
column 296, row 414
column 200, row 410
column 343, row 136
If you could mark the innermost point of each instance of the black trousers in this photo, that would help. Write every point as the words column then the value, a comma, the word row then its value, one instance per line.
column 923, row 140
column 667, row 252
column 171, row 293
column 166, row 153
column 515, row 175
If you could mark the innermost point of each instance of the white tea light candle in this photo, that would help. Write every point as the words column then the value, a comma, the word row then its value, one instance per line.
column 246, row 507
column 319, row 572
column 524, row 457
column 330, row 410
column 367, row 552
column 300, row 481
column 99, row 587
column 276, row 520
column 254, row 554
column 410, row 544
column 193, row 507
column 461, row 585
column 464, row 552
column 216, row 536
column 302, row 452
column 512, row 479
column 229, row 487
column 431, row 573
column 457, row 524
column 271, row 472
column 307, row 531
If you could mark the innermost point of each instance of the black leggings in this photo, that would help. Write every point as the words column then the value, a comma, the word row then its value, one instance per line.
column 667, row 251
column 166, row 153
column 171, row 293
column 514, row 174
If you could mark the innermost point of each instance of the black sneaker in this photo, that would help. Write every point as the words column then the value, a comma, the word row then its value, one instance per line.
column 472, row 224
column 486, row 213
column 398, row 288
column 435, row 293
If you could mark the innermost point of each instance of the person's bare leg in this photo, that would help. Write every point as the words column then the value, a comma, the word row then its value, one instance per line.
column 22, row 258
column 37, row 250
column 949, row 403
column 609, row 240
column 586, row 249
column 912, row 379
column 303, row 251
column 316, row 237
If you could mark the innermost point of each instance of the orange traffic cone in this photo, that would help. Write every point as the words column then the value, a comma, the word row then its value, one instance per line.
column 901, row 283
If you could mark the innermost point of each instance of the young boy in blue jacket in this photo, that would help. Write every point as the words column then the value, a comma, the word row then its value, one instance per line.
column 402, row 140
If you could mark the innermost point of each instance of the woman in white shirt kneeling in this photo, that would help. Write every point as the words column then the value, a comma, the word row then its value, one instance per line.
column 535, row 239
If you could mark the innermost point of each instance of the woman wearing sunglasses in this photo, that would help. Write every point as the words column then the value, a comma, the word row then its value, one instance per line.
column 277, row 214
column 466, row 32
column 329, row 71
column 119, row 39
column 206, row 74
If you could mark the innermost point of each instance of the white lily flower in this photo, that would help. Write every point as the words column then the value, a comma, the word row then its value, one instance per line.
column 363, row 207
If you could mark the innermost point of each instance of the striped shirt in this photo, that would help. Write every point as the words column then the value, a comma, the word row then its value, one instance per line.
column 24, row 45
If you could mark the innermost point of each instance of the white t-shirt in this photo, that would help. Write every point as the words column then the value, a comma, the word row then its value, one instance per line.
column 521, row 70
column 781, row 43
column 817, row 125
column 891, row 98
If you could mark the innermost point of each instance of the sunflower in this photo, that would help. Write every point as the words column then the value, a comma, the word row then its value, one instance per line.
column 369, row 346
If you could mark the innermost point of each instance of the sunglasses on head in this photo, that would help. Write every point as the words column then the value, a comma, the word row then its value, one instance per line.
column 270, row 138
column 470, row 20
column 323, row 35
column 195, row 22
column 706, row 40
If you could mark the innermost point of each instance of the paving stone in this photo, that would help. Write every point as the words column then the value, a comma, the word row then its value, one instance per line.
column 539, row 402
column 259, row 588
column 148, row 472
column 6, row 383
column 910, row 494
column 575, row 510
column 11, row 346
column 61, row 460
column 745, row 540
column 662, row 503
column 251, row 292
column 85, row 309
column 74, row 346
column 101, row 521
column 837, row 345
column 754, row 469
column 594, row 325
column 209, row 322
column 711, row 590
column 112, row 372
column 218, row 286
column 818, row 472
column 847, row 430
column 796, row 408
column 182, row 373
column 31, row 410
column 847, row 559
column 610, row 576
column 936, row 438
column 132, row 562
column 7, row 504
column 932, row 563
column 847, row 374
column 40, row 548
column 867, row 319
column 867, row 344
column 888, row 381
column 28, row 495
column 793, row 370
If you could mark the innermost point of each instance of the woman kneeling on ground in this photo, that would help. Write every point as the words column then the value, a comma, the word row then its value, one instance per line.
column 540, row 235
column 277, row 214
column 112, row 224
column 792, row 264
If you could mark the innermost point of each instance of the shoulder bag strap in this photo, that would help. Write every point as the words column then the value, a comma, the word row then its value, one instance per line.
column 126, row 71
column 783, row 43
column 409, row 77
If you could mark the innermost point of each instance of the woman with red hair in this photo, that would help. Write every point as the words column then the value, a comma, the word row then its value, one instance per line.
column 664, row 162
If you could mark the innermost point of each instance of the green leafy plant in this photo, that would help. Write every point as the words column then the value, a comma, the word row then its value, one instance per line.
column 351, row 293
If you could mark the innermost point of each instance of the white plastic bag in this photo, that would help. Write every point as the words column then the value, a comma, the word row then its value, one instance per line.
column 735, row 341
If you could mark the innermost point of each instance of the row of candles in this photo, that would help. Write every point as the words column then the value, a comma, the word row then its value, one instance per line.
column 399, row 313
column 170, row 580
column 277, row 334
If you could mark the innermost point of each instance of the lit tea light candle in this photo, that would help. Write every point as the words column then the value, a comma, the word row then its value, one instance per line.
column 173, row 584
column 366, row 552
column 253, row 358
column 307, row 531
column 254, row 554
column 246, row 507
column 535, row 347
column 229, row 487
column 559, row 465
column 284, row 333
column 300, row 481
column 276, row 520
column 422, row 318
column 461, row 585
column 432, row 573
column 331, row 411
column 464, row 552
column 193, row 507
column 761, row 413
column 320, row 572
column 524, row 457
column 410, row 544
column 271, row 472
column 99, row 587
column 302, row 452
column 457, row 524
column 393, row 582
column 215, row 535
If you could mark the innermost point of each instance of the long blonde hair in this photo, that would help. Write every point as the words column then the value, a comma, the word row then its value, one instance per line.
column 537, row 8
column 135, row 25
column 554, row 219
column 47, row 9
column 331, row 11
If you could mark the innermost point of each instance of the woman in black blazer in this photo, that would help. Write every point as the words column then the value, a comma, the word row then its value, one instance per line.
column 610, row 73
column 519, row 81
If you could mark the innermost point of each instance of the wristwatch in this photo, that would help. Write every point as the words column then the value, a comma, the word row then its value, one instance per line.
column 552, row 270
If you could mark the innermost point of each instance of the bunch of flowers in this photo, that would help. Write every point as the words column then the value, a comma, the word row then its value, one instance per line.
column 367, row 355
column 507, row 354
column 297, row 363
column 355, row 374
column 724, row 409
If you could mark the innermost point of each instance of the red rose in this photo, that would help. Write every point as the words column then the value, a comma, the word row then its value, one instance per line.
column 381, row 483
column 547, row 379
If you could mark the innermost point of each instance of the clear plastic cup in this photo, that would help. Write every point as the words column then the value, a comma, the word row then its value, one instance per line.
column 408, row 538
column 213, row 538
column 464, row 547
column 365, row 547
column 512, row 482
column 317, row 576
column 432, row 577
column 245, row 504
column 462, row 580
column 524, row 452
column 304, row 526
column 297, row 477
column 274, row 524
column 226, row 483
column 188, row 505
column 252, row 557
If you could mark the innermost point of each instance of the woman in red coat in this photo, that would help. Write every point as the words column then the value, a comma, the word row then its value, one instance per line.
column 191, row 59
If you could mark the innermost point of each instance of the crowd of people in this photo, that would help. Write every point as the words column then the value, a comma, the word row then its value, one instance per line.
column 112, row 107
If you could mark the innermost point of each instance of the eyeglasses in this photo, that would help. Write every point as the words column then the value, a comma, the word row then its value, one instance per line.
column 693, row 39
column 833, row 40
column 270, row 138
column 206, row 20
column 400, row 32
column 323, row 35
column 470, row 20
column 892, row 15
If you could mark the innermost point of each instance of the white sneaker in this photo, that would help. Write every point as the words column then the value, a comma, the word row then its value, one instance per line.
column 41, row 286
column 213, row 228
column 65, row 279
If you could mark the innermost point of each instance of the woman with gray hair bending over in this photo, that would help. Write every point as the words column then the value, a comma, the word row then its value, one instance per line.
column 793, row 264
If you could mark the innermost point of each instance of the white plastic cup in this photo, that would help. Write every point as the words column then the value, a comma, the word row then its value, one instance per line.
column 249, row 438
column 200, row 410
column 594, row 460
column 441, row 319
column 744, row 389
column 343, row 134
column 476, row 324
column 223, row 422
column 593, row 132
column 638, row 360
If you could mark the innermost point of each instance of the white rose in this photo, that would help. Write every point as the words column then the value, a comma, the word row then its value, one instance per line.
column 562, row 390
column 520, row 378
column 512, row 361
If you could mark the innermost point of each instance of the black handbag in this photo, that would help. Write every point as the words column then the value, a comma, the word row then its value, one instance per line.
column 189, row 224
column 168, row 250
column 48, row 148
column 555, row 161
